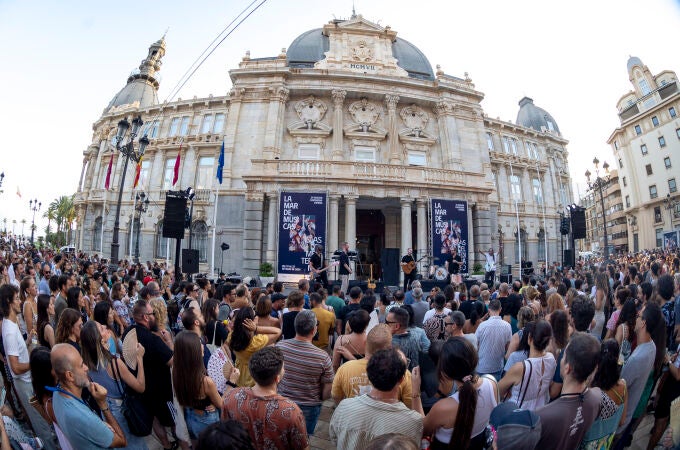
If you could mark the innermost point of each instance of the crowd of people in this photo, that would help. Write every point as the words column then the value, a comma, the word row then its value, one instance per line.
column 101, row 358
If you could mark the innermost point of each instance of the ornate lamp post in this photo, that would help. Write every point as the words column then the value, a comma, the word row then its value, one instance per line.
column 34, row 205
column 671, row 204
column 600, row 184
column 142, row 205
column 128, row 151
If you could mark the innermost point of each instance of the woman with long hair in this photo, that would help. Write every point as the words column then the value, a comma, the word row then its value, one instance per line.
column 625, row 328
column 245, row 339
column 352, row 346
column 118, row 299
column 620, row 296
column 555, row 303
column 215, row 331
column 75, row 300
column 44, row 326
column 525, row 315
column 28, row 291
column 559, row 321
column 68, row 328
column 608, row 379
column 103, row 315
column 459, row 421
column 195, row 390
column 112, row 373
column 477, row 315
column 160, row 313
column 529, row 380
column 601, row 296
column 522, row 350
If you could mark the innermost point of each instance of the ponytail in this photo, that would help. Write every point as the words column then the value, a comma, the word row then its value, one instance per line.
column 465, row 417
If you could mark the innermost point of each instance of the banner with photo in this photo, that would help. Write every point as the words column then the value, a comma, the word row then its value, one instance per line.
column 302, row 225
column 670, row 240
column 449, row 227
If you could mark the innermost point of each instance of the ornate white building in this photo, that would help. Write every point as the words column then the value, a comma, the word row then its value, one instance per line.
column 350, row 109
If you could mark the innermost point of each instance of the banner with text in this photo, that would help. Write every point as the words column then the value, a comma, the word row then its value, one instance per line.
column 449, row 230
column 670, row 240
column 302, row 225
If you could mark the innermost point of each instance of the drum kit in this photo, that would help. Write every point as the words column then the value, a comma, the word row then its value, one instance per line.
column 439, row 273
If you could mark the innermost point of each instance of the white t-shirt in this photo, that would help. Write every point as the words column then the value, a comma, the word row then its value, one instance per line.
column 15, row 346
column 432, row 312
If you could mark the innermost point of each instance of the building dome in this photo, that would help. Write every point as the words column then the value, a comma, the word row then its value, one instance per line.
column 531, row 116
column 311, row 46
column 632, row 62
column 135, row 91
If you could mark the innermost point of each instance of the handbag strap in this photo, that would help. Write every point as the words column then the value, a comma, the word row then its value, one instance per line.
column 214, row 332
column 116, row 376
column 526, row 387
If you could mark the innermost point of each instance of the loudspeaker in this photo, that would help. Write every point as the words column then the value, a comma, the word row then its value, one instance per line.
column 189, row 260
column 506, row 278
column 578, row 223
column 568, row 257
column 389, row 261
column 173, row 218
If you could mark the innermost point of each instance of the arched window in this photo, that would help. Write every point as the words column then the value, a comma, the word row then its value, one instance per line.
column 541, row 244
column 523, row 238
column 199, row 231
column 161, row 244
column 97, row 235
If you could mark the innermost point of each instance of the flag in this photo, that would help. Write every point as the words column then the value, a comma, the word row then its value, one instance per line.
column 176, row 174
column 18, row 192
column 138, row 171
column 107, row 184
column 220, row 164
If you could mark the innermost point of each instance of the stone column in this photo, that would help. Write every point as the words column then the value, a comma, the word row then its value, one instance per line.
column 450, row 136
column 233, row 117
column 421, row 205
column 406, row 234
column 392, row 133
column 252, row 233
column 271, row 228
column 351, row 220
column 338, row 100
column 332, row 240
column 272, row 139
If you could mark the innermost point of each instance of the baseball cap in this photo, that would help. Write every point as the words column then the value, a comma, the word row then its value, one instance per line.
column 516, row 428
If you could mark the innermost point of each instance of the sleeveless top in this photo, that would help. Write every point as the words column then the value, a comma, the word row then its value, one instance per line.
column 486, row 402
column 534, row 389
column 200, row 403
column 102, row 377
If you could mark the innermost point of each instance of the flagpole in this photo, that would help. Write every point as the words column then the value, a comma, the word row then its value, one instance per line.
column 214, row 232
column 101, row 243
column 132, row 221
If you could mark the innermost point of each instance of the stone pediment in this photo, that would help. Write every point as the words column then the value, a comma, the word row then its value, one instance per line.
column 361, row 25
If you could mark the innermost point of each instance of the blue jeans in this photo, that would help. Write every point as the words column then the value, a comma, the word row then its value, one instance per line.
column 311, row 414
column 197, row 422
column 133, row 442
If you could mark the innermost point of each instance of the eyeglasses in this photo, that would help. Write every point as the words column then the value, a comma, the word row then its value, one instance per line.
column 389, row 322
column 446, row 324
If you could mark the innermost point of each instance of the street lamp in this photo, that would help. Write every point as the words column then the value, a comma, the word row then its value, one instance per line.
column 141, row 206
column 130, row 153
column 34, row 206
column 671, row 204
column 600, row 184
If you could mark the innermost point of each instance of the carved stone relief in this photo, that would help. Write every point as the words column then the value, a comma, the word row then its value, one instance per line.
column 365, row 113
column 415, row 119
column 310, row 111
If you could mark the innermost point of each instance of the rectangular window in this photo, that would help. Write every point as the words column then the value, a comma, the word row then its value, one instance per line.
column 652, row 191
column 184, row 128
column 416, row 158
column 657, row 214
column 144, row 174
column 516, row 188
column 506, row 144
column 649, row 170
column 513, row 144
column 655, row 121
column 309, row 151
column 151, row 129
column 672, row 112
column 625, row 183
column 538, row 193
column 643, row 149
column 489, row 142
column 219, row 123
column 168, row 173
column 662, row 141
column 627, row 201
column 205, row 173
column 364, row 154
column 638, row 130
column 644, row 87
column 667, row 162
column 174, row 127
column 672, row 187
column 206, row 126
column 659, row 237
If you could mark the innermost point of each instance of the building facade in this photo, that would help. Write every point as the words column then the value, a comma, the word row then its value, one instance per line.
column 351, row 110
column 647, row 151
column 617, row 229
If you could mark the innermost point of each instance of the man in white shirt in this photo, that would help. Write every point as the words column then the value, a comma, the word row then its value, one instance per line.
column 493, row 337
column 489, row 265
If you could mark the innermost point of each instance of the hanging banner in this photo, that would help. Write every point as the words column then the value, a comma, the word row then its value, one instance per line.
column 302, row 225
column 670, row 241
column 449, row 230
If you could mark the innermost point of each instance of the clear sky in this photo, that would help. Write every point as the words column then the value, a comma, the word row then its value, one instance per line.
column 63, row 61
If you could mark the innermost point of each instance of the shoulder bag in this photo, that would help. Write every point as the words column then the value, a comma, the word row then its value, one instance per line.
column 138, row 418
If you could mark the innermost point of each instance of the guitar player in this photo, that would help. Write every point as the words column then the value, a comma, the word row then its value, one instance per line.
column 490, row 265
column 409, row 272
column 316, row 265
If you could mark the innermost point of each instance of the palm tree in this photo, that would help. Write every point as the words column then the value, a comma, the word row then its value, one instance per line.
column 66, row 214
column 50, row 214
column 23, row 222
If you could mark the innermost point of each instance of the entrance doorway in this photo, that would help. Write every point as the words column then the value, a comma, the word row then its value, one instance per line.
column 370, row 242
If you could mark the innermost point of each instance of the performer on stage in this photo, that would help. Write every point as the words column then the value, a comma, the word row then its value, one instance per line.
column 316, row 263
column 345, row 269
column 490, row 265
column 453, row 263
column 405, row 266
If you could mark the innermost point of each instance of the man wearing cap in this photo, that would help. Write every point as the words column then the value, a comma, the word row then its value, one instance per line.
column 516, row 429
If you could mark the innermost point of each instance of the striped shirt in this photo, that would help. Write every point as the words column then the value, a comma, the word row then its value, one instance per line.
column 306, row 369
column 493, row 337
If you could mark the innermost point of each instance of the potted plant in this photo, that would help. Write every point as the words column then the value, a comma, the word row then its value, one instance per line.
column 266, row 273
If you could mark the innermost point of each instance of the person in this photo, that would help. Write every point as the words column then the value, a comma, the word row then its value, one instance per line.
column 103, row 314
column 489, row 265
column 453, row 264
column 63, row 284
column 215, row 331
column 524, row 316
column 434, row 320
column 317, row 264
column 409, row 343
column 227, row 435
column 309, row 373
column 296, row 301
column 245, row 339
column 195, row 390
column 28, row 292
column 325, row 320
column 68, row 328
column 601, row 298
column 620, row 297
column 272, row 421
column 357, row 420
column 608, row 379
column 45, row 273
column 454, row 325
column 81, row 426
column 493, row 338
column 392, row 441
column 17, row 359
column 419, row 306
column 566, row 420
column 113, row 374
column 45, row 315
column 192, row 320
column 408, row 264
column 460, row 420
column 353, row 305
column 351, row 379
column 263, row 313
column 529, row 380
column 157, row 360
column 336, row 302
column 352, row 346
column 344, row 269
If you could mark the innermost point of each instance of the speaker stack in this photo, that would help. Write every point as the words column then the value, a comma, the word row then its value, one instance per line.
column 578, row 223
column 173, row 217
